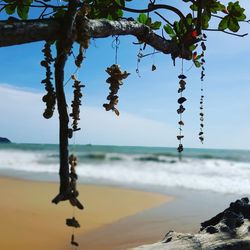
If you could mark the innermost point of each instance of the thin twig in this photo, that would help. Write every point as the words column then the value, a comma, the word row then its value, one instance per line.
column 149, row 54
column 153, row 7
column 42, row 14
column 230, row 33
column 162, row 17
column 38, row 6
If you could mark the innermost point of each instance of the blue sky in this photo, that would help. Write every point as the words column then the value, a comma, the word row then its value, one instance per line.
column 147, row 104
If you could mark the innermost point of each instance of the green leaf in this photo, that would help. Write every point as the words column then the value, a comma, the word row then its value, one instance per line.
column 205, row 19
column 189, row 19
column 10, row 9
column 149, row 21
column 22, row 11
column 192, row 47
column 193, row 7
column 197, row 64
column 142, row 18
column 168, row 29
column 155, row 25
column 177, row 27
column 223, row 23
column 233, row 24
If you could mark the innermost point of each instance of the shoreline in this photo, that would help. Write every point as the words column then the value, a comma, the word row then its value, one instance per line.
column 31, row 221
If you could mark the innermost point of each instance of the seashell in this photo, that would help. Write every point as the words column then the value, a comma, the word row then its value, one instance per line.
column 181, row 100
column 181, row 123
column 153, row 67
column 180, row 148
column 179, row 137
column 181, row 109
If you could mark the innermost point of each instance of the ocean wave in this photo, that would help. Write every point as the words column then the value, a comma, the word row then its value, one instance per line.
column 137, row 170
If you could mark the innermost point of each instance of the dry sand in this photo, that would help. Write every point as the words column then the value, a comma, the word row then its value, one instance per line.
column 29, row 220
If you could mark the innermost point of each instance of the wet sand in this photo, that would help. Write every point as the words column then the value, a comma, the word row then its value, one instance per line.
column 30, row 221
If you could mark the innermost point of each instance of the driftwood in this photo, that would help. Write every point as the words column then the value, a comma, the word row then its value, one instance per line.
column 228, row 230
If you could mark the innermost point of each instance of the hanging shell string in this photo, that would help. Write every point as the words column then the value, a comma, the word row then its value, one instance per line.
column 139, row 57
column 153, row 68
column 75, row 115
column 50, row 97
column 201, row 133
column 181, row 108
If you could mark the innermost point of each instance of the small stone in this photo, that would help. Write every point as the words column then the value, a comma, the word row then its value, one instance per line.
column 182, row 76
column 212, row 230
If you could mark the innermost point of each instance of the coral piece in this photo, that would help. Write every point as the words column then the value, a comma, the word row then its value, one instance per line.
column 115, row 81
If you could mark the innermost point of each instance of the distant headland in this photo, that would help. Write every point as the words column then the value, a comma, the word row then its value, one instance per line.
column 4, row 140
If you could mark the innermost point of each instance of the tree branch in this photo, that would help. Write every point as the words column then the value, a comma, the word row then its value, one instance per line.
column 20, row 32
column 63, row 47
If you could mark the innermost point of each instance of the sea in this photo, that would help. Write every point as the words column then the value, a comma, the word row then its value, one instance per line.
column 151, row 168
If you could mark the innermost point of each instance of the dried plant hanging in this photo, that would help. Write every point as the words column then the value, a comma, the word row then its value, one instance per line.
column 201, row 133
column 50, row 97
column 115, row 81
column 181, row 109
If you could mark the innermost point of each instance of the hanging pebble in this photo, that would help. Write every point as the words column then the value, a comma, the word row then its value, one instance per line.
column 115, row 81
column 50, row 97
column 181, row 109
column 76, row 103
column 72, row 222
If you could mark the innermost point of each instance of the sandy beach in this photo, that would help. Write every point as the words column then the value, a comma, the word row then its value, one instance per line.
column 30, row 221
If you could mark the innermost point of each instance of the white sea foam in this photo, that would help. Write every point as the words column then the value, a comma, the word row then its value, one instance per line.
column 201, row 174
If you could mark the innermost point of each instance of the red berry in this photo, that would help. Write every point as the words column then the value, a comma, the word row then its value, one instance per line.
column 194, row 34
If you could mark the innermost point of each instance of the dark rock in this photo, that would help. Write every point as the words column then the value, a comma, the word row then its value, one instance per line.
column 229, row 229
column 212, row 230
column 4, row 140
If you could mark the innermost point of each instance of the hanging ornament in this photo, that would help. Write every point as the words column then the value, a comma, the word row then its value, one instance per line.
column 181, row 109
column 153, row 68
column 139, row 57
column 73, row 242
column 50, row 97
column 73, row 178
column 76, row 103
column 72, row 222
column 115, row 81
column 201, row 133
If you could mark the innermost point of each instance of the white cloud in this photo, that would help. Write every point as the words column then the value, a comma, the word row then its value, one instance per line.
column 22, row 121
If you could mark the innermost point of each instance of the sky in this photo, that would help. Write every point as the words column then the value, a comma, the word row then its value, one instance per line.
column 147, row 104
